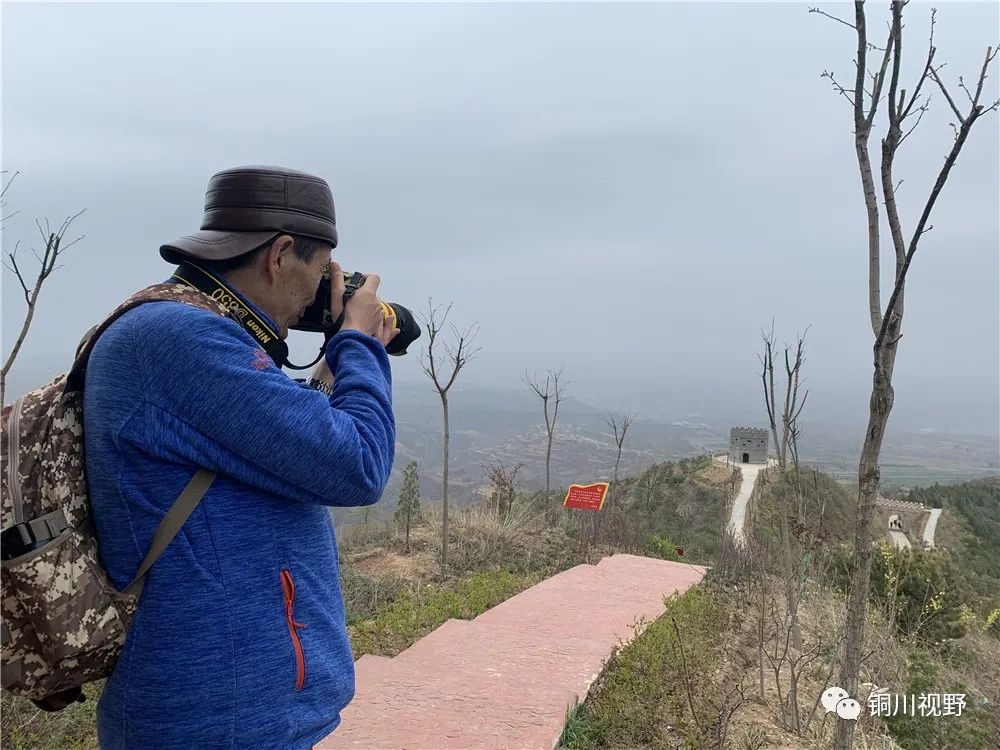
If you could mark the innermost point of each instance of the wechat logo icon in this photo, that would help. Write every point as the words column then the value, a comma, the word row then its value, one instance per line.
column 836, row 700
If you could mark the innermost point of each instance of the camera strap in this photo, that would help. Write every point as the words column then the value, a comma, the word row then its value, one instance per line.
column 197, row 277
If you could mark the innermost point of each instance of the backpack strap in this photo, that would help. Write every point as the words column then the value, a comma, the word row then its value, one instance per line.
column 13, row 450
column 198, row 485
column 155, row 293
column 183, row 506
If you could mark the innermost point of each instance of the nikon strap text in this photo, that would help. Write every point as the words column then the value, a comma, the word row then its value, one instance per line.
column 241, row 312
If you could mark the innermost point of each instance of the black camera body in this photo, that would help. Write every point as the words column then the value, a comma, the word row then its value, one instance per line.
column 317, row 316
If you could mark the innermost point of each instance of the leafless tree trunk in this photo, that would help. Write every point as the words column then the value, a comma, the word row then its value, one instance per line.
column 649, row 481
column 687, row 511
column 554, row 390
column 767, row 377
column 900, row 108
column 793, row 407
column 619, row 424
column 54, row 248
column 457, row 354
column 789, row 416
column 760, row 632
column 503, row 485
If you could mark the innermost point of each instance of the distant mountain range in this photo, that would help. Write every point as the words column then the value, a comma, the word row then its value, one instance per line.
column 488, row 424
column 507, row 424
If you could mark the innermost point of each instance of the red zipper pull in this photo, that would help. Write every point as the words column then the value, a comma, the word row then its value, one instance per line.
column 289, row 590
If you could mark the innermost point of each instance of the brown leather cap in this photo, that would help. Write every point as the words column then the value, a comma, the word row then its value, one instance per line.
column 248, row 206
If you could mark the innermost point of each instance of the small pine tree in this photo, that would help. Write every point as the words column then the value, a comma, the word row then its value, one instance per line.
column 408, row 508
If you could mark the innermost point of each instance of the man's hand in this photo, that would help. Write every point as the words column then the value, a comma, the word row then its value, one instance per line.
column 363, row 312
column 337, row 287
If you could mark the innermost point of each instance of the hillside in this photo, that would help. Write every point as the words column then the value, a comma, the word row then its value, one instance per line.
column 728, row 667
column 740, row 691
column 826, row 507
column 970, row 528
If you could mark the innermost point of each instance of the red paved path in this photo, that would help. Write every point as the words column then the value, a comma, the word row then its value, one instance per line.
column 506, row 678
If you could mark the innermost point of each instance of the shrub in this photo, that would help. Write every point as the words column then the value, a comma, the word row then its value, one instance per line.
column 970, row 731
column 658, row 546
column 924, row 591
column 365, row 593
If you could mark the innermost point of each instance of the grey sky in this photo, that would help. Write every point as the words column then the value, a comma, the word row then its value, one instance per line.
column 629, row 191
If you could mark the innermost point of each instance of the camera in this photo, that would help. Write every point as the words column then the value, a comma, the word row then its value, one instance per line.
column 317, row 316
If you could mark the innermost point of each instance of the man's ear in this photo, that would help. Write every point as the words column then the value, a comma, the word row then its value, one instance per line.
column 277, row 256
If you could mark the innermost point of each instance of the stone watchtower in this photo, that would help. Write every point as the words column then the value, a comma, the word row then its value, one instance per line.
column 748, row 445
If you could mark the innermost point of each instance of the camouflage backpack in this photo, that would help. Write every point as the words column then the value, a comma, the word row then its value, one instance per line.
column 63, row 620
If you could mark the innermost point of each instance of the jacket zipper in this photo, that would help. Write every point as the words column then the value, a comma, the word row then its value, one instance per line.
column 288, row 586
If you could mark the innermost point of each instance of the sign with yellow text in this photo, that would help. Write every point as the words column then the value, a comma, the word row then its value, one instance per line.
column 586, row 496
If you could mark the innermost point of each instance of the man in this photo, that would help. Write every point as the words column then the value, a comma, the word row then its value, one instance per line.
column 240, row 639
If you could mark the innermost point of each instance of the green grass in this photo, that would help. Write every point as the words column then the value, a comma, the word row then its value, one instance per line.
column 576, row 727
column 414, row 614
column 640, row 699
column 25, row 727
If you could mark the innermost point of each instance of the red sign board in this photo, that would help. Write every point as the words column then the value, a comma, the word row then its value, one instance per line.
column 586, row 496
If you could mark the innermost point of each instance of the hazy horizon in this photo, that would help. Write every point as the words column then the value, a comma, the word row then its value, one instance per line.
column 630, row 192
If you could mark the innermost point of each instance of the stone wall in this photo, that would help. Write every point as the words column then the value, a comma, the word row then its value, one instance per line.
column 749, row 442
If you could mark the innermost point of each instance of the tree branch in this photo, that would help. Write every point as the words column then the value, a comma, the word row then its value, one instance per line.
column 3, row 191
column 48, row 263
column 837, row 87
column 833, row 18
column 990, row 54
column 926, row 72
column 921, row 109
column 891, row 50
column 17, row 271
column 687, row 678
column 3, row 194
column 962, row 134
column 940, row 83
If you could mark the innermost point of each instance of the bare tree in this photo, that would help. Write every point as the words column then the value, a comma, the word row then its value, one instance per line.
column 648, row 484
column 788, row 444
column 551, row 392
column 619, row 424
column 904, row 109
column 687, row 511
column 503, row 485
column 792, row 407
column 54, row 248
column 458, row 352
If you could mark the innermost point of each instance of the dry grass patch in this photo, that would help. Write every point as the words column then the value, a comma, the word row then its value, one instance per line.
column 715, row 475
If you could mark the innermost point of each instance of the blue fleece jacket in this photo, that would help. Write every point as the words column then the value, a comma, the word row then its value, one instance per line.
column 240, row 639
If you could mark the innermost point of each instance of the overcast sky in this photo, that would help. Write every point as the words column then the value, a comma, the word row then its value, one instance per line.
column 628, row 191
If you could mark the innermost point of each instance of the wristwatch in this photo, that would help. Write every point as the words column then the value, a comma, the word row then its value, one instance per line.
column 319, row 385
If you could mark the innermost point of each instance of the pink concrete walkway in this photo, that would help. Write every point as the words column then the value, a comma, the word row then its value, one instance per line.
column 506, row 678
